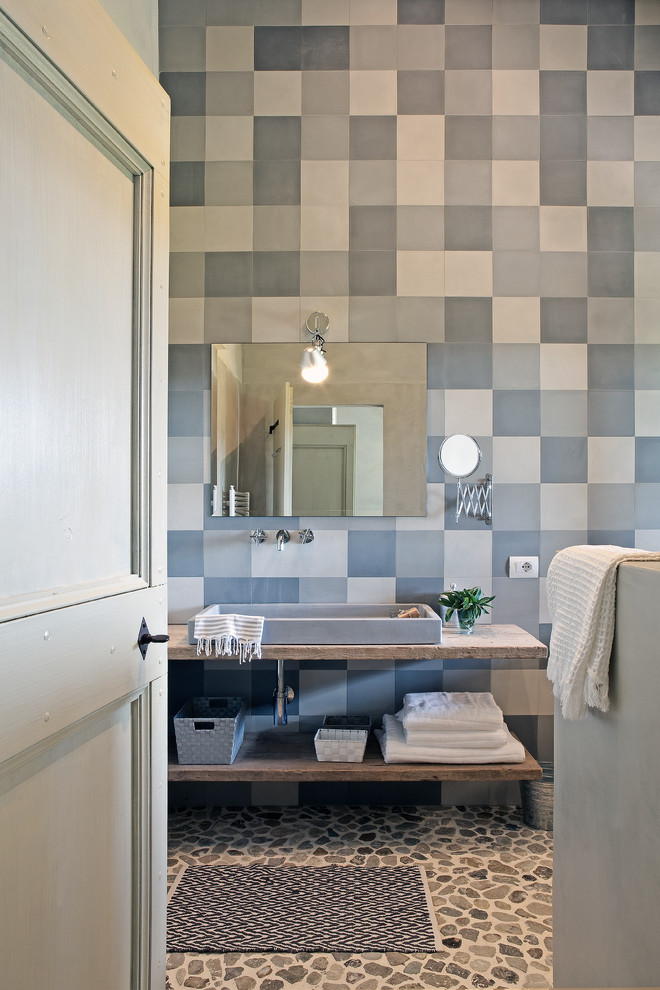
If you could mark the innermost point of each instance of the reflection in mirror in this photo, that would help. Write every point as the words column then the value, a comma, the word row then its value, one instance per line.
column 459, row 455
column 352, row 445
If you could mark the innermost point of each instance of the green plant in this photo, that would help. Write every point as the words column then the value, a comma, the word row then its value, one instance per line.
column 468, row 602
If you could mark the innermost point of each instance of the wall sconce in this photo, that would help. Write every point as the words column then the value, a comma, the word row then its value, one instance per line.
column 459, row 456
column 314, row 366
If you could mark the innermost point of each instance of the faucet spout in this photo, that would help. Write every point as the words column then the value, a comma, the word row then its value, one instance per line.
column 282, row 537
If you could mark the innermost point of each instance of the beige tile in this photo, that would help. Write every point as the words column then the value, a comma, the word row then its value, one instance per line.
column 324, row 183
column 325, row 12
column 276, row 228
column 516, row 320
column 229, row 139
column 468, row 91
column 188, row 139
column 420, row 138
column 647, row 12
column 228, row 228
column 373, row 12
column 647, row 274
column 468, row 11
column 647, row 320
column 420, row 273
column 277, row 94
column 187, row 228
column 420, row 183
column 564, row 506
column 516, row 691
column 516, row 183
column 373, row 92
column 611, row 460
column 229, row 48
column 563, row 228
column 647, row 139
column 610, row 184
column 610, row 94
column 517, row 460
column 275, row 318
column 186, row 321
column 515, row 91
column 563, row 46
column 564, row 366
column 335, row 307
column 469, row 411
column 468, row 273
column 324, row 228
column 420, row 46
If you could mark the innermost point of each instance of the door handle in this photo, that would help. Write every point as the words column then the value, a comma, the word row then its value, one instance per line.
column 145, row 638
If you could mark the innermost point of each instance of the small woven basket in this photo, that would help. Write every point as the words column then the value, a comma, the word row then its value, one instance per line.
column 340, row 745
column 538, row 799
column 209, row 730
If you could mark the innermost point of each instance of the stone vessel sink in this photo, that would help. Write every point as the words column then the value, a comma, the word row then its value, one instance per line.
column 335, row 623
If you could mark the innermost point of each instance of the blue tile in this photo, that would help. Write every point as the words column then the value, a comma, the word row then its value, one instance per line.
column 275, row 589
column 189, row 367
column 611, row 366
column 435, row 373
column 610, row 506
column 525, row 727
column 647, row 459
column 228, row 591
column 434, row 473
column 410, row 680
column 423, row 590
column 229, row 681
column 516, row 413
column 419, row 553
column 322, row 589
column 611, row 537
column 468, row 365
column 516, row 507
column 371, row 554
column 647, row 506
column 263, row 685
column 185, row 414
column 370, row 692
column 185, row 553
column 513, row 543
column 563, row 459
column 185, row 460
column 611, row 413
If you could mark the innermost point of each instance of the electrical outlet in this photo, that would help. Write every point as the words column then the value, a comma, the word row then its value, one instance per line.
column 523, row 567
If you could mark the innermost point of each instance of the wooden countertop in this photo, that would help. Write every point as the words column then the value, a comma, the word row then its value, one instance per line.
column 504, row 642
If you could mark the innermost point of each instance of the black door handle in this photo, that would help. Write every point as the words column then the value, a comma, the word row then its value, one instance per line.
column 145, row 638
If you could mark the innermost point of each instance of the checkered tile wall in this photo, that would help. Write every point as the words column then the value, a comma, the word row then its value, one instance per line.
column 482, row 175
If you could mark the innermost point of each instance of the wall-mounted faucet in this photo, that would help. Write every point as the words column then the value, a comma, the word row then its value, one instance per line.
column 258, row 535
column 305, row 535
column 282, row 537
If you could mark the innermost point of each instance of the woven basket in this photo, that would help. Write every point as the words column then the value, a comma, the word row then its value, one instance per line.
column 538, row 798
column 340, row 745
column 209, row 730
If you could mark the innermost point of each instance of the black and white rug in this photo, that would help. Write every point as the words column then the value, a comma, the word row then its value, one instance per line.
column 301, row 909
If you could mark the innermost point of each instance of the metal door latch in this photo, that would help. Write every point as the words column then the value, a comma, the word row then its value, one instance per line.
column 145, row 638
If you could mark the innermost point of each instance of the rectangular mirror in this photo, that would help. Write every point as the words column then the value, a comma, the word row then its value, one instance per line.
column 352, row 445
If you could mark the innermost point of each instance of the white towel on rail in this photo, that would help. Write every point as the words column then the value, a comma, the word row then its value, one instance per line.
column 465, row 737
column 470, row 710
column 581, row 590
column 395, row 749
column 229, row 635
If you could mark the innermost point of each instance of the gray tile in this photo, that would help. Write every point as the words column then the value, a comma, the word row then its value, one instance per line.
column 372, row 183
column 468, row 137
column 419, row 228
column 563, row 11
column 515, row 228
column 276, row 273
column 516, row 138
column 277, row 183
column 185, row 553
column 516, row 12
column 420, row 11
column 516, row 273
column 323, row 589
column 228, row 273
column 228, row 184
column 276, row 228
column 468, row 228
column 468, row 319
column 275, row 589
column 563, row 273
column 415, row 589
column 516, row 46
column 610, row 320
column 373, row 46
column 647, row 500
column 563, row 321
column 277, row 49
column 516, row 507
column 610, row 228
column 229, row 94
column 516, row 413
column 277, row 11
column 420, row 318
column 185, row 460
column 512, row 543
column 325, row 47
column 647, row 228
column 371, row 553
column 563, row 183
column 611, row 273
column 435, row 369
column 553, row 540
column 419, row 553
column 468, row 183
column 276, row 138
column 611, row 537
column 610, row 138
column 419, row 46
column 611, row 507
column 518, row 602
column 563, row 413
column 563, row 91
column 468, row 46
column 612, row 12
column 647, row 366
column 324, row 138
column 324, row 273
column 611, row 413
column 563, row 459
column 182, row 13
column 610, row 47
column 611, row 366
column 373, row 228
column 647, row 46
column 182, row 49
column 468, row 365
column 187, row 184
column 325, row 93
column 188, row 367
column 564, row 137
column 647, row 183
column 647, row 94
column 228, row 320
column 372, row 137
column 434, row 473
column 516, row 366
column 229, row 12
column 420, row 91
column 186, row 274
column 372, row 273
column 373, row 318
column 187, row 91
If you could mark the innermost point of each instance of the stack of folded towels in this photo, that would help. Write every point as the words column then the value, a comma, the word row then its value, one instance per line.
column 448, row 727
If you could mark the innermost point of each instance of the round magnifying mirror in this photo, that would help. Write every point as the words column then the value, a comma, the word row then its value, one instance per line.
column 459, row 455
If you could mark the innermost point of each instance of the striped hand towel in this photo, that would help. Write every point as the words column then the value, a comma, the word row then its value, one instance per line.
column 229, row 635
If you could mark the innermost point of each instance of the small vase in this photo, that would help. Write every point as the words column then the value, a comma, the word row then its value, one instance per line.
column 465, row 621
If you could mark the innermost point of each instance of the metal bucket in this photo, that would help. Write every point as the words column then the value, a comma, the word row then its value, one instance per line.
column 537, row 798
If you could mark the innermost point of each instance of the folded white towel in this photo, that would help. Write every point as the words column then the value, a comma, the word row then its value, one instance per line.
column 451, row 737
column 395, row 749
column 473, row 710
column 228, row 635
column 581, row 592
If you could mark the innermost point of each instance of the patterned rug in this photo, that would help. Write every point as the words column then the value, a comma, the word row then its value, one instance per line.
column 301, row 909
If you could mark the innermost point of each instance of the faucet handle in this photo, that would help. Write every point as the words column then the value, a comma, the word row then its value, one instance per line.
column 258, row 535
column 305, row 535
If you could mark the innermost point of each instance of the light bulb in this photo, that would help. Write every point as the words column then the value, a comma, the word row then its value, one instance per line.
column 314, row 367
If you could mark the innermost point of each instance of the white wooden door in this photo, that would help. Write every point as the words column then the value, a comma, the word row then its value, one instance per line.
column 282, row 454
column 83, row 289
column 323, row 470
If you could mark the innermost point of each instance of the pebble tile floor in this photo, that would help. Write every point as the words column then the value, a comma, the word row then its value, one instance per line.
column 490, row 878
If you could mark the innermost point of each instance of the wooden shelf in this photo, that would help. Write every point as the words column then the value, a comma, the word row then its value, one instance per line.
column 280, row 756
